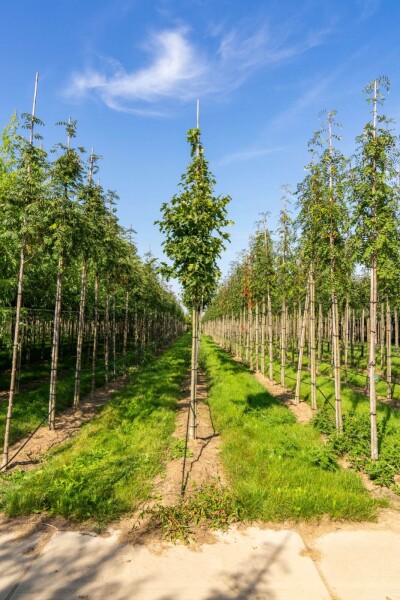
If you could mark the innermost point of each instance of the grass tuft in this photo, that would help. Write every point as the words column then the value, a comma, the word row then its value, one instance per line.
column 212, row 506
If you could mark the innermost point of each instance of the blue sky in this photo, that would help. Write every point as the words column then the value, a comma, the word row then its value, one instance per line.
column 130, row 71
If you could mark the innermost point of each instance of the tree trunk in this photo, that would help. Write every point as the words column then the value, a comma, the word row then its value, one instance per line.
column 283, row 343
column 95, row 332
column 114, row 335
column 125, row 340
column 312, row 341
column 257, row 356
column 263, row 337
column 336, row 363
column 388, row 351
column 382, row 333
column 193, row 383
column 270, row 338
column 79, row 343
column 251, row 338
column 301, row 345
column 55, row 346
column 320, row 333
column 371, row 363
column 14, row 357
column 346, row 337
column 362, row 333
column 106, row 338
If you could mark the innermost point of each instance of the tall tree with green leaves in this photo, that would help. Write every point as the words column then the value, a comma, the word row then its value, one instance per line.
column 193, row 224
column 22, row 199
column 376, row 218
column 67, row 171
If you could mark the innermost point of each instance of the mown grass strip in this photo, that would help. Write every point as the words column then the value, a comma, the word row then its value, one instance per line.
column 109, row 467
column 278, row 468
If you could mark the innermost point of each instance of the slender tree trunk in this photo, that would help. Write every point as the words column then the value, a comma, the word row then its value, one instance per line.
column 193, row 383
column 388, row 350
column 336, row 363
column 55, row 346
column 14, row 357
column 125, row 340
column 283, row 343
column 312, row 341
column 19, row 360
column 263, row 337
column 106, row 339
column 362, row 332
column 257, row 355
column 346, row 337
column 114, row 335
column 372, row 356
column 382, row 333
column 396, row 330
column 301, row 345
column 320, row 333
column 95, row 332
column 247, row 324
column 251, row 338
column 80, row 335
column 270, row 338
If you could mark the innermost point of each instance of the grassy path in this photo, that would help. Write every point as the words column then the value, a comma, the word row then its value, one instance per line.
column 278, row 468
column 109, row 467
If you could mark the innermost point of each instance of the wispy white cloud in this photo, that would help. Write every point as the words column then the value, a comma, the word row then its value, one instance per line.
column 313, row 95
column 368, row 7
column 179, row 70
column 304, row 101
column 246, row 155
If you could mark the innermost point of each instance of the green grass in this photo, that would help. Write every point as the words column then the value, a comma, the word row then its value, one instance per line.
column 109, row 467
column 355, row 443
column 277, row 468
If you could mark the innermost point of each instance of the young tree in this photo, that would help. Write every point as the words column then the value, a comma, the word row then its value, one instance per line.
column 193, row 224
column 22, row 194
column 66, row 177
column 376, row 218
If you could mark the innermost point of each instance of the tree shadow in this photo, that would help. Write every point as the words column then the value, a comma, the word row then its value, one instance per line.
column 81, row 566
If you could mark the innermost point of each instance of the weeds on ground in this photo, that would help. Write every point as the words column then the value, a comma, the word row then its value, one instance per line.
column 355, row 444
column 355, row 440
column 212, row 506
column 177, row 449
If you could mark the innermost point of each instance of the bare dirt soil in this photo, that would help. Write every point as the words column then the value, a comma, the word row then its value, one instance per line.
column 301, row 411
column 201, row 467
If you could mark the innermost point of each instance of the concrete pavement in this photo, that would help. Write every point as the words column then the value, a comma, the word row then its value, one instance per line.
column 250, row 564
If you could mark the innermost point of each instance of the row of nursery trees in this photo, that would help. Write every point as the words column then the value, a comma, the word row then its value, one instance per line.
column 330, row 279
column 71, row 278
